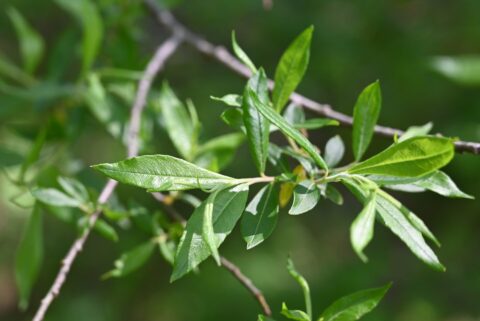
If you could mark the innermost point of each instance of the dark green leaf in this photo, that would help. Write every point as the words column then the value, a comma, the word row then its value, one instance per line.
column 163, row 172
column 333, row 194
column 334, row 151
column 242, row 55
column 9, row 157
column 352, row 307
column 234, row 118
column 192, row 249
column 305, row 197
column 291, row 68
column 260, row 216
column 105, row 230
column 361, row 230
column 365, row 116
column 257, row 126
column 131, row 260
column 33, row 154
column 29, row 257
column 31, row 42
column 416, row 156
column 287, row 129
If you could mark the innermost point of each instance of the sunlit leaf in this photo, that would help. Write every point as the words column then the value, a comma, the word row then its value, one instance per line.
column 305, row 197
column 334, row 151
column 361, row 230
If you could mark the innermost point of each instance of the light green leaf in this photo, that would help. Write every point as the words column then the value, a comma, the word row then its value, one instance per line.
column 418, row 223
column 31, row 42
column 305, row 197
column 297, row 315
column 208, row 233
column 416, row 131
column 464, row 70
column 260, row 217
column 264, row 318
column 163, row 173
column 304, row 285
column 294, row 114
column 242, row 55
column 442, row 184
column 257, row 126
column 86, row 12
column 54, row 197
column 394, row 217
column 316, row 123
column 365, row 116
column 178, row 124
column 352, row 307
column 231, row 100
column 74, row 188
column 361, row 230
column 131, row 260
column 192, row 249
column 334, row 151
column 416, row 156
column 29, row 257
column 233, row 117
column 291, row 68
column 287, row 129
column 224, row 142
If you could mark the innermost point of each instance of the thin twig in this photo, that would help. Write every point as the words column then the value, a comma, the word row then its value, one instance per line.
column 222, row 55
column 162, row 54
column 235, row 270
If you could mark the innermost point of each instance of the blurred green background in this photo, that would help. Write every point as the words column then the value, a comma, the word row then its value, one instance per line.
column 355, row 42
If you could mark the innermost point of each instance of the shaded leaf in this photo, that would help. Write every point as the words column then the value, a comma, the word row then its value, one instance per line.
column 74, row 188
column 442, row 184
column 55, row 197
column 303, row 284
column 333, row 194
column 131, row 260
column 234, row 118
column 242, row 55
column 416, row 131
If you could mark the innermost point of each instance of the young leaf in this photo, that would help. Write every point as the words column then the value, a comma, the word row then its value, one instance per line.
column 304, row 285
column 55, row 197
column 365, row 116
column 361, row 230
column 29, row 257
column 260, row 216
column 287, row 129
column 242, row 55
column 208, row 233
column 297, row 315
column 334, row 151
column 416, row 156
column 257, row 126
column 231, row 100
column 131, row 260
column 442, row 184
column 86, row 12
column 31, row 42
column 416, row 131
column 163, row 173
column 305, row 197
column 291, row 68
column 393, row 216
column 352, row 307
column 192, row 249
column 316, row 123
column 74, row 188
column 178, row 123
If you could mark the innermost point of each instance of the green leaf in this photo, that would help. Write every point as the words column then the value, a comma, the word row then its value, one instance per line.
column 31, row 42
column 9, row 157
column 86, row 12
column 29, row 257
column 416, row 131
column 54, row 197
column 208, row 233
column 354, row 306
column 264, row 318
column 297, row 315
column 131, row 260
column 233, row 117
column 224, row 142
column 192, row 249
column 178, row 124
column 260, row 216
column 365, row 116
column 163, row 173
column 287, row 129
column 442, row 184
column 361, row 230
column 305, row 197
column 304, row 285
column 33, row 154
column 257, row 126
column 333, row 195
column 464, row 70
column 391, row 212
column 334, row 151
column 294, row 114
column 74, row 188
column 316, row 123
column 231, row 100
column 105, row 230
column 416, row 156
column 291, row 68
column 242, row 55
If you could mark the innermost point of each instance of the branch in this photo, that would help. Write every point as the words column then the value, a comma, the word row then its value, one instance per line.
column 232, row 268
column 162, row 54
column 222, row 55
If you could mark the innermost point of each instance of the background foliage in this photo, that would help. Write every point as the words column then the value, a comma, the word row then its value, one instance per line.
column 353, row 44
